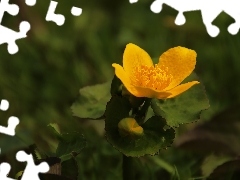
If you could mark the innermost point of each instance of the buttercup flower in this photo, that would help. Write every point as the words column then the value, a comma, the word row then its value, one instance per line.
column 144, row 79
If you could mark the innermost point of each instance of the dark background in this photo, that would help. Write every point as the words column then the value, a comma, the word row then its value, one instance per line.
column 42, row 80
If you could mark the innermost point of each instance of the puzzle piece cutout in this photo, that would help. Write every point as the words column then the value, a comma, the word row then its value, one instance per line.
column 10, row 130
column 59, row 19
column 12, row 121
column 31, row 171
column 4, row 105
column 133, row 1
column 4, row 171
column 7, row 35
column 209, row 10
column 30, row 2
column 76, row 11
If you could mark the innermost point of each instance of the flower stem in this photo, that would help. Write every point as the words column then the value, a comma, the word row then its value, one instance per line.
column 127, row 168
column 141, row 114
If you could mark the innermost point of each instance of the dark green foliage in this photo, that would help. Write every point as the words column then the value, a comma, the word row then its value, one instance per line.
column 154, row 137
column 184, row 108
column 92, row 101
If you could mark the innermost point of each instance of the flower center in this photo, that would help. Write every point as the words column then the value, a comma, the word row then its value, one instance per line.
column 151, row 77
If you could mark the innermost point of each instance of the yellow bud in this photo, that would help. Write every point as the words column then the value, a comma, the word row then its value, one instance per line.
column 129, row 127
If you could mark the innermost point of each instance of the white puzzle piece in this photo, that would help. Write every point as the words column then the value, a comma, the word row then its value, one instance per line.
column 10, row 130
column 76, row 11
column 209, row 10
column 31, row 171
column 7, row 35
column 4, row 171
column 59, row 19
column 4, row 105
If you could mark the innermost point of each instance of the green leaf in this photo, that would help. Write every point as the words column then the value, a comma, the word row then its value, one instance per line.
column 70, row 145
column 91, row 103
column 34, row 151
column 184, row 108
column 55, row 129
column 155, row 137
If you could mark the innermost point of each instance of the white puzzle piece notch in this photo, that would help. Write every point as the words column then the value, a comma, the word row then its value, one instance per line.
column 12, row 9
column 30, row 2
column 31, row 171
column 12, row 121
column 59, row 19
column 209, row 10
column 4, row 171
column 4, row 105
column 133, row 1
column 7, row 35
column 76, row 11
column 12, row 124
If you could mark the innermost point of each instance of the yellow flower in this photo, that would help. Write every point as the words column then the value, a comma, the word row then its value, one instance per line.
column 143, row 79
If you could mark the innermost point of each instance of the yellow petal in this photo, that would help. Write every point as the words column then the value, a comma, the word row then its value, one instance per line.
column 150, row 93
column 180, row 62
column 181, row 88
column 122, row 75
column 133, row 57
column 134, row 90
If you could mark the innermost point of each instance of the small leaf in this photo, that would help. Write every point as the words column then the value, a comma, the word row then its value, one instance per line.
column 55, row 129
column 34, row 151
column 184, row 108
column 70, row 145
column 154, row 137
column 91, row 103
column 19, row 175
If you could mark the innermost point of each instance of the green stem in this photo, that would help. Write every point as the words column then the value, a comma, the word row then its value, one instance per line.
column 141, row 114
column 127, row 168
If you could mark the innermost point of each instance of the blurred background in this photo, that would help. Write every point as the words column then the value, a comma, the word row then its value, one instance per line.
column 43, row 79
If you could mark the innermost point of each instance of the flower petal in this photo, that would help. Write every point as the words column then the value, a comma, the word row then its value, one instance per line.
column 150, row 93
column 133, row 57
column 180, row 62
column 181, row 88
column 122, row 75
column 134, row 90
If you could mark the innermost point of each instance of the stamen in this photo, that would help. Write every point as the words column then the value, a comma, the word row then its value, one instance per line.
column 151, row 77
